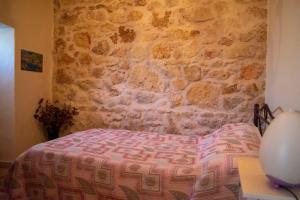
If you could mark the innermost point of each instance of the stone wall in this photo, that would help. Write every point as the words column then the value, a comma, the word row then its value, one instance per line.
column 171, row 66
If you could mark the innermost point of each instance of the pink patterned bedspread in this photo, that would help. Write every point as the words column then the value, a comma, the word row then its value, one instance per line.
column 125, row 165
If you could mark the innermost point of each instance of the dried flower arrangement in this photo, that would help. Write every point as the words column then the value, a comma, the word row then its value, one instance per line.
column 54, row 117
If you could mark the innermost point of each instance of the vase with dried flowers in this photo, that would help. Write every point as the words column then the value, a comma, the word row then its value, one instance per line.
column 53, row 117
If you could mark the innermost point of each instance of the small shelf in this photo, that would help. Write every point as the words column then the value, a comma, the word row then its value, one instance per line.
column 255, row 184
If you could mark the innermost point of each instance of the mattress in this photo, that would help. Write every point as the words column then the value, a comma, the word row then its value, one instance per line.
column 126, row 165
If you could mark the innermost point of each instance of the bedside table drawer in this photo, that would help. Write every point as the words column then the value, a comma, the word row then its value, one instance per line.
column 243, row 198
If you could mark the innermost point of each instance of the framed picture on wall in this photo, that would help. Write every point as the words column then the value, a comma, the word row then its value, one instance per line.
column 31, row 61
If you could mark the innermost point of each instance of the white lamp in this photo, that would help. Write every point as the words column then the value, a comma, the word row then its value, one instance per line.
column 280, row 150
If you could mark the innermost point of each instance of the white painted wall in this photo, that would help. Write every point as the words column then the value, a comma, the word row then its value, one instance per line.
column 283, row 59
column 33, row 24
column 7, row 92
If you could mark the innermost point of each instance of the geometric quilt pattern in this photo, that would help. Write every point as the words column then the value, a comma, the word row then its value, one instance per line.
column 126, row 165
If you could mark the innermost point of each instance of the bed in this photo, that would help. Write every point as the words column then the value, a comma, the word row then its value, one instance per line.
column 125, row 165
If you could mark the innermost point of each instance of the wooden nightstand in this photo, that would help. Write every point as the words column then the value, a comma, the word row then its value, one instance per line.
column 255, row 185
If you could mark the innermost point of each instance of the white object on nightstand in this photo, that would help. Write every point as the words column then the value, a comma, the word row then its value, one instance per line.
column 255, row 185
column 280, row 148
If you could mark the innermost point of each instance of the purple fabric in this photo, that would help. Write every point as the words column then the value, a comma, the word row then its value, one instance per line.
column 276, row 182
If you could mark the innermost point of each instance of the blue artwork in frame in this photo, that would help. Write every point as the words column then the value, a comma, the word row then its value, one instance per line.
column 31, row 61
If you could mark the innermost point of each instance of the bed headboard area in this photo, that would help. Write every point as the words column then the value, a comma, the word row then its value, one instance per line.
column 263, row 116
